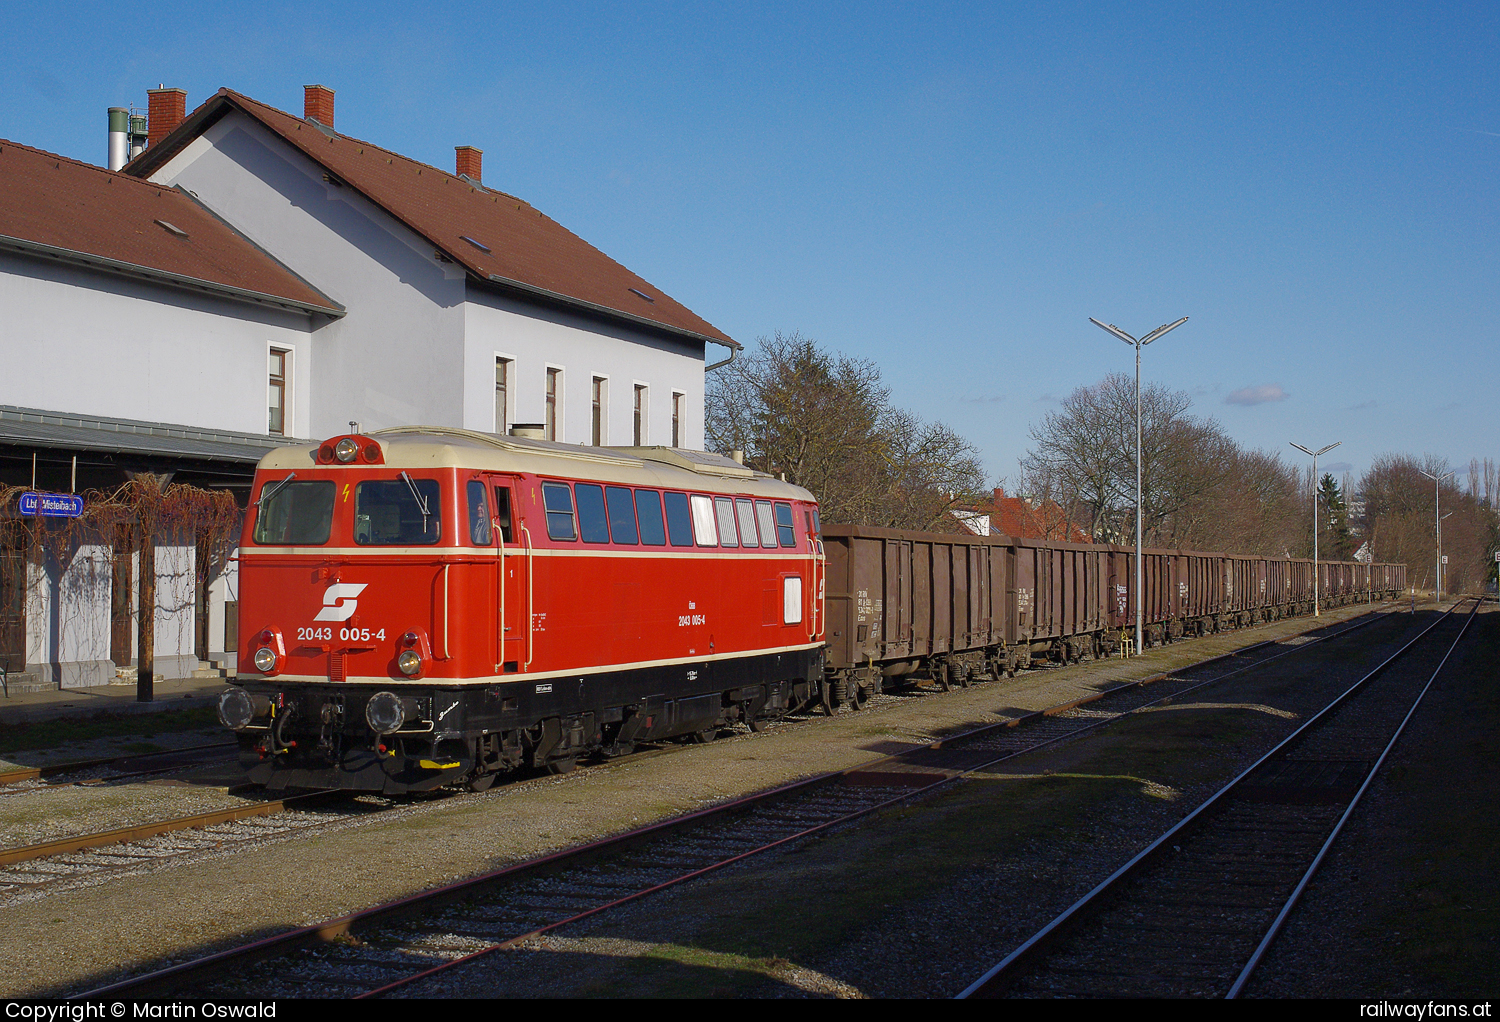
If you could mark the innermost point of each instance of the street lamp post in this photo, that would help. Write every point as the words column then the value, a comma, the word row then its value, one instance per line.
column 1139, row 344
column 1437, row 527
column 1317, row 589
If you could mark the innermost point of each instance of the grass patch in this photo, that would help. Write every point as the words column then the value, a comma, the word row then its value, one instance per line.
column 49, row 734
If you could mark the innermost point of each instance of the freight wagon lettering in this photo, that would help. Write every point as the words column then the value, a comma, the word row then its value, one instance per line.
column 685, row 620
column 866, row 609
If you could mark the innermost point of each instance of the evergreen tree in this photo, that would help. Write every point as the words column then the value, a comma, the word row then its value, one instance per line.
column 1334, row 539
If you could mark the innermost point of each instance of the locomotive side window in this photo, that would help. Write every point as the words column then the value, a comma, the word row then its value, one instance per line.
column 558, row 500
column 593, row 525
column 725, row 508
column 745, row 511
column 679, row 519
column 397, row 512
column 502, row 512
column 786, row 531
column 479, row 513
column 298, row 514
column 766, row 519
column 621, row 513
column 648, row 510
column 704, row 530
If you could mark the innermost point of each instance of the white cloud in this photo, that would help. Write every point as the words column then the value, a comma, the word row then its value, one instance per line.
column 1257, row 395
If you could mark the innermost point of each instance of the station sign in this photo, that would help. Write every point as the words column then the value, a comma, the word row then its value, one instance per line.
column 51, row 505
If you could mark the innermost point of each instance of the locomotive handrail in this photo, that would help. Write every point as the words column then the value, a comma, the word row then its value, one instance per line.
column 447, row 654
column 530, row 596
column 499, row 591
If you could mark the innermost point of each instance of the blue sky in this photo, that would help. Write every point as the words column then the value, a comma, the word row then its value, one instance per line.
column 949, row 190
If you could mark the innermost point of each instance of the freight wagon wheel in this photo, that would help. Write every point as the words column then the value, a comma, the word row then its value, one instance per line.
column 1010, row 663
column 945, row 677
column 859, row 696
column 756, row 724
column 481, row 783
column 705, row 736
column 565, row 765
column 963, row 676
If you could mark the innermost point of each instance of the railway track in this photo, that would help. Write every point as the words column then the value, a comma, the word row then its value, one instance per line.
column 115, row 768
column 415, row 940
column 1193, row 912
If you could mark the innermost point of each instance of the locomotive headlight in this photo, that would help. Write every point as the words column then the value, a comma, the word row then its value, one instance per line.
column 384, row 713
column 346, row 449
column 236, row 709
column 410, row 662
column 265, row 660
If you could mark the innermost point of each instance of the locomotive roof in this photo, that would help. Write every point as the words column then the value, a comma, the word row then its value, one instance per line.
column 428, row 447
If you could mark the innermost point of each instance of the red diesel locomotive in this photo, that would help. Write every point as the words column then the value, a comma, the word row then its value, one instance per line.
column 423, row 606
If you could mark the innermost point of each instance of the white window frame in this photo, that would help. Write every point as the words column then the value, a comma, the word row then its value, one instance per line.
column 602, row 380
column 641, row 393
column 559, row 404
column 679, row 418
column 287, row 364
column 510, row 392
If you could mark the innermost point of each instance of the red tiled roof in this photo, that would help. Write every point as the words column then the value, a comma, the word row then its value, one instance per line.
column 527, row 250
column 51, row 205
column 1014, row 516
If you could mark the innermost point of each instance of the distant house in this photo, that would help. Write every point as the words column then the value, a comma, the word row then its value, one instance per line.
column 1020, row 518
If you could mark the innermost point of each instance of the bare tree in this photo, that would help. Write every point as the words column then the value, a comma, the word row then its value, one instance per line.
column 825, row 422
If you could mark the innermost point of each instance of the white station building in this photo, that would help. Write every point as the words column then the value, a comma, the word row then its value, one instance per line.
column 251, row 278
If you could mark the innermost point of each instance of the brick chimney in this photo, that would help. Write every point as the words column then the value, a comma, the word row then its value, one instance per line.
column 317, row 103
column 469, row 160
column 165, row 110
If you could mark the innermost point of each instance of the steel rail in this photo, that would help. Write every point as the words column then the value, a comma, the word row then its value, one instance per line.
column 141, row 831
column 57, row 769
column 1275, row 929
column 999, row 975
column 308, row 936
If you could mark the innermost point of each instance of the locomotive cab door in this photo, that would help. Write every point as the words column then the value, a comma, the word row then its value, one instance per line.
column 509, row 577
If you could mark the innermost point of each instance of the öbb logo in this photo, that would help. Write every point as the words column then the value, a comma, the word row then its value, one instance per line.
column 339, row 601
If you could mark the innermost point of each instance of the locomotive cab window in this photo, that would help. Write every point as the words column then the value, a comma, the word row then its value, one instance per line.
column 620, row 503
column 786, row 531
column 296, row 514
column 398, row 512
column 557, row 498
column 648, row 510
column 502, row 512
column 479, row 514
column 593, row 524
column 679, row 519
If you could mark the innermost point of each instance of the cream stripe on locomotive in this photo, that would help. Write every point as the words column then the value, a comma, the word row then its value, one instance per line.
column 468, row 554
column 492, row 679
